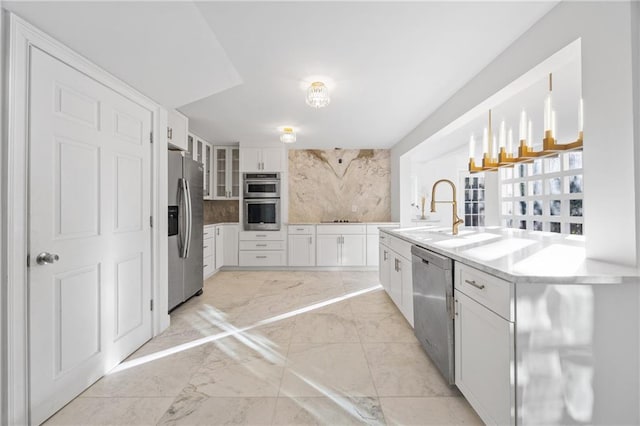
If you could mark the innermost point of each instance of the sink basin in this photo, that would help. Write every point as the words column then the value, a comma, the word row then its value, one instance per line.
column 466, row 239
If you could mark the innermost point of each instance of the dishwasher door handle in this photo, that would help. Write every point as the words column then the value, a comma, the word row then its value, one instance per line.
column 475, row 284
column 425, row 261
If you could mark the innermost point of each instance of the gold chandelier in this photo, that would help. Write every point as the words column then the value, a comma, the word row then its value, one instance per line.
column 496, row 154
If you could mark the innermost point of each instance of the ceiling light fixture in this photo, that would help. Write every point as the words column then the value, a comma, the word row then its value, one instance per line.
column 287, row 136
column 500, row 153
column 318, row 95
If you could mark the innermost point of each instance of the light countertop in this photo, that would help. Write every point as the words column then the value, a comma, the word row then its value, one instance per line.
column 343, row 223
column 221, row 223
column 519, row 255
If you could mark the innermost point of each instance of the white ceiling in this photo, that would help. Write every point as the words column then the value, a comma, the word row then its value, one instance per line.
column 389, row 64
column 164, row 49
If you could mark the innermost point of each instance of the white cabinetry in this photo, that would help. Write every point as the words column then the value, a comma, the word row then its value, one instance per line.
column 219, row 251
column 302, row 245
column 208, row 251
column 373, row 232
column 484, row 342
column 341, row 245
column 226, row 173
column 395, row 273
column 177, row 129
column 261, row 159
column 262, row 248
column 202, row 152
column 219, row 247
column 230, row 235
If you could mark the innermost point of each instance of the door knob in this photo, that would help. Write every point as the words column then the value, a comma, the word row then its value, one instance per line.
column 45, row 258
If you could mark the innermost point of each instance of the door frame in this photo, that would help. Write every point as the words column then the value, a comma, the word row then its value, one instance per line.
column 23, row 37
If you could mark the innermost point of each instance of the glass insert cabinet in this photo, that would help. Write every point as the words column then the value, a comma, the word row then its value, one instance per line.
column 202, row 152
column 226, row 173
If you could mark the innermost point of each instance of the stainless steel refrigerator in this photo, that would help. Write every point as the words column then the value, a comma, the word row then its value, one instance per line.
column 185, row 228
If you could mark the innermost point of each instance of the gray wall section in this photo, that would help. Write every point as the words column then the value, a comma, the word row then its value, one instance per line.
column 605, row 29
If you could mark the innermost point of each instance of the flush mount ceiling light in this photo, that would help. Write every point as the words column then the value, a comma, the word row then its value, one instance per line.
column 287, row 136
column 318, row 95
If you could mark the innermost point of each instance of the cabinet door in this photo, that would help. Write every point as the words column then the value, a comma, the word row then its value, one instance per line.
column 484, row 359
column 233, row 177
column 219, row 237
column 384, row 268
column 272, row 159
column 302, row 250
column 327, row 250
column 395, row 281
column 191, row 146
column 177, row 129
column 230, row 238
column 354, row 250
column 372, row 250
column 207, row 193
column 406, row 277
column 220, row 164
column 251, row 159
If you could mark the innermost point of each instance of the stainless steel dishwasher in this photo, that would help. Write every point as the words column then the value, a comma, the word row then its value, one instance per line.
column 433, row 307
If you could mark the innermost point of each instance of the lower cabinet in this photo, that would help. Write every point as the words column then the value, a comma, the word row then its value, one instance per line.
column 263, row 248
column 484, row 345
column 230, row 235
column 396, row 275
column 302, row 245
column 208, row 251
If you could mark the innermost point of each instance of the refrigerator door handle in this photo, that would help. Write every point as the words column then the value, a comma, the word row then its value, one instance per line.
column 189, row 218
column 183, row 213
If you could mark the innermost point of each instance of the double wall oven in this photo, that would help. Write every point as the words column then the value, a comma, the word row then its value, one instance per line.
column 261, row 201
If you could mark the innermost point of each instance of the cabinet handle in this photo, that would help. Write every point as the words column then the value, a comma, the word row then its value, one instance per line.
column 384, row 255
column 260, row 236
column 261, row 257
column 169, row 133
column 299, row 229
column 310, row 240
column 205, row 247
column 475, row 284
column 261, row 245
column 456, row 308
column 204, row 266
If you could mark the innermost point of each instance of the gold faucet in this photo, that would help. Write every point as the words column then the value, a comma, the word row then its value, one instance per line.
column 456, row 220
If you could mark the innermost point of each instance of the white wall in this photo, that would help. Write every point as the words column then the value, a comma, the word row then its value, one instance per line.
column 606, row 32
column 451, row 166
column 3, row 279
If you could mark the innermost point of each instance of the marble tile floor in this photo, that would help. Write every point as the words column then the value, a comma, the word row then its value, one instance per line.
column 277, row 348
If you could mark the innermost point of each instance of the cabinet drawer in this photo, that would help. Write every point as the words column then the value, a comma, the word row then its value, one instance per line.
column 262, row 258
column 208, row 266
column 262, row 245
column 301, row 229
column 342, row 229
column 208, row 232
column 207, row 248
column 261, row 235
column 491, row 292
column 402, row 247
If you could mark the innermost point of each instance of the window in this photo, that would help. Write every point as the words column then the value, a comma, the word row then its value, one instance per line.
column 474, row 201
column 544, row 195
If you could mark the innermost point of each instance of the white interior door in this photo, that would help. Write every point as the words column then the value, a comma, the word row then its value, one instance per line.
column 90, row 202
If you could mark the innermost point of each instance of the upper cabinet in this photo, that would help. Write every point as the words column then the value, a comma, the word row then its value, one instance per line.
column 202, row 152
column 226, row 173
column 177, row 130
column 261, row 159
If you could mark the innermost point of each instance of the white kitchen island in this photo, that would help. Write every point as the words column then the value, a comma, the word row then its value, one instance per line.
column 542, row 334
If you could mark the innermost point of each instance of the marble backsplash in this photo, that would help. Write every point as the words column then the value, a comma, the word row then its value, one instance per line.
column 350, row 184
column 221, row 211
